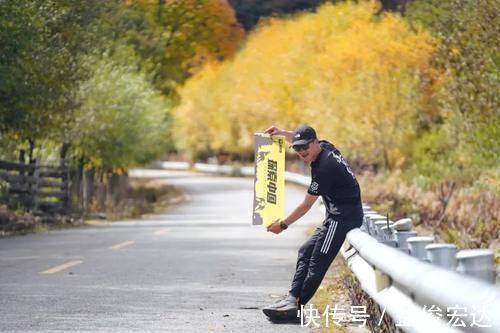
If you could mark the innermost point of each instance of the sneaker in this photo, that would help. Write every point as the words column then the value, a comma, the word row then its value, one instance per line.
column 286, row 309
column 284, row 302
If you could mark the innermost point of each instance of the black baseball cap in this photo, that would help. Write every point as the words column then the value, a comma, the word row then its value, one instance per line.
column 303, row 135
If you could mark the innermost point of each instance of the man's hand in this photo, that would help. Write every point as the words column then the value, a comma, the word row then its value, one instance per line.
column 275, row 227
column 273, row 130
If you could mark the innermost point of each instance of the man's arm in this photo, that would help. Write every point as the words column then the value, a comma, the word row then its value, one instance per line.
column 296, row 214
column 273, row 130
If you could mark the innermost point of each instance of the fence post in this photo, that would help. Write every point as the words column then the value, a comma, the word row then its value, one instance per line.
column 417, row 246
column 36, row 188
column 88, row 188
column 479, row 263
column 66, row 186
column 401, row 238
column 443, row 255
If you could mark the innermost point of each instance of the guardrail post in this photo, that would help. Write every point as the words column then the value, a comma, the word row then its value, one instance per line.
column 368, row 222
column 378, row 229
column 479, row 263
column 382, row 280
column 442, row 255
column 417, row 245
column 389, row 237
column 402, row 237
column 373, row 219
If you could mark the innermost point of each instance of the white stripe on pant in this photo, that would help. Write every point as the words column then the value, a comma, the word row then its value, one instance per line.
column 329, row 237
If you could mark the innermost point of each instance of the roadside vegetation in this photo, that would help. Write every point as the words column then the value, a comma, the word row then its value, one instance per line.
column 91, row 85
column 144, row 196
column 408, row 92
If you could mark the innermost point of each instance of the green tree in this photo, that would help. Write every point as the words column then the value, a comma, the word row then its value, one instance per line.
column 122, row 120
column 468, row 101
column 42, row 41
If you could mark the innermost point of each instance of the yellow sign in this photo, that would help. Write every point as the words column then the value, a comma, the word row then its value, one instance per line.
column 269, row 188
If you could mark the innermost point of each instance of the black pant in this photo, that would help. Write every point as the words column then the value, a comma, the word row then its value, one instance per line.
column 316, row 255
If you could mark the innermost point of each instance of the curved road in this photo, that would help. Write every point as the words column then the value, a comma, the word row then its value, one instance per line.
column 201, row 267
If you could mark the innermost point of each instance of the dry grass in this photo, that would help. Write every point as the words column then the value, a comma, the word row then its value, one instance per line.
column 146, row 196
column 467, row 216
column 12, row 223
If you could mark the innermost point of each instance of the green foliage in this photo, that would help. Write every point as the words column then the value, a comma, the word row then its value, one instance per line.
column 20, row 211
column 434, row 154
column 122, row 120
column 427, row 13
column 452, row 236
column 41, row 42
column 175, row 38
column 90, row 75
column 463, row 144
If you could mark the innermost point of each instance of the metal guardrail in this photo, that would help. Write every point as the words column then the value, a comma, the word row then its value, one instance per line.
column 230, row 169
column 405, row 287
column 423, row 287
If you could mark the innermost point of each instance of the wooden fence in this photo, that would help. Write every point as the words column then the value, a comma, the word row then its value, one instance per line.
column 42, row 189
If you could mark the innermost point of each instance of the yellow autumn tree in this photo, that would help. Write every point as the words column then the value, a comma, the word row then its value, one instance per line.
column 360, row 80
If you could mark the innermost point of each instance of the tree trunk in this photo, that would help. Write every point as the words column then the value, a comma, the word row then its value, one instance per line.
column 22, row 155
column 161, row 3
column 64, row 151
column 100, row 193
column 31, row 151
column 77, row 185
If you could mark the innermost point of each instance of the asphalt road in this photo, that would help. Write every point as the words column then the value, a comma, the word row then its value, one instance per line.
column 201, row 267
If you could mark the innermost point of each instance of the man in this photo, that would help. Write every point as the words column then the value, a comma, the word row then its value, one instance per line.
column 333, row 180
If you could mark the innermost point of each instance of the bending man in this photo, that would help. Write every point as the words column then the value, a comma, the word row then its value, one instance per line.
column 333, row 180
